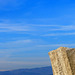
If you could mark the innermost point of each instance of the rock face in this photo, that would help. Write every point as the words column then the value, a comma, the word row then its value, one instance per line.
column 63, row 61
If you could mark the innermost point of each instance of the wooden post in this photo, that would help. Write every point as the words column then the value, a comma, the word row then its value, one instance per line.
column 63, row 61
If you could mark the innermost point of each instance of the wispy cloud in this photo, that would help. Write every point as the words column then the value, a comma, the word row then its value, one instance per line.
column 14, row 27
column 58, row 27
column 57, row 45
column 7, row 48
column 9, row 27
column 46, row 25
column 64, row 28
column 59, row 34
column 17, row 43
column 55, row 30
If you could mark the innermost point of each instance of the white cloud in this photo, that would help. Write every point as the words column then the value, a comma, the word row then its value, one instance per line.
column 16, row 43
column 9, row 27
column 14, row 27
column 57, row 45
column 59, row 34
column 46, row 25
column 64, row 28
column 58, row 27
column 7, row 48
column 22, row 41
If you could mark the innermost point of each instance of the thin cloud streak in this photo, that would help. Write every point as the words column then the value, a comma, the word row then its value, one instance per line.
column 64, row 28
column 9, row 27
column 14, row 27
column 47, row 25
column 56, row 45
column 16, row 42
column 58, row 27
column 59, row 34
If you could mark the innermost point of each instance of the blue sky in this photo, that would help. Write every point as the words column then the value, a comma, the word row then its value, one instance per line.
column 29, row 29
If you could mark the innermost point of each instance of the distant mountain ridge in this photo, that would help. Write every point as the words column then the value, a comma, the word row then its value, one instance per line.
column 33, row 71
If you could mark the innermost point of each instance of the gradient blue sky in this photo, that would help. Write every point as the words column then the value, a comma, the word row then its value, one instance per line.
column 29, row 29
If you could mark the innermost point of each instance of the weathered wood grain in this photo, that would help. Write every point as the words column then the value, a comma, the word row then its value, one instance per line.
column 63, row 61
